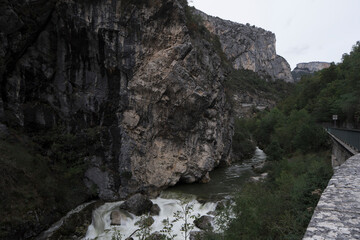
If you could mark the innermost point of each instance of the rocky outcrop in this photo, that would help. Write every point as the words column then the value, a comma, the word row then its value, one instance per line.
column 204, row 222
column 249, row 47
column 133, row 70
column 308, row 68
column 138, row 204
column 246, row 104
column 115, row 217
column 155, row 210
column 20, row 24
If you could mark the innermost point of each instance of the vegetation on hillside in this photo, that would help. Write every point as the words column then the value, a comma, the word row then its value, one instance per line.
column 332, row 91
column 299, row 168
column 298, row 153
column 239, row 81
column 42, row 177
column 281, row 208
column 246, row 80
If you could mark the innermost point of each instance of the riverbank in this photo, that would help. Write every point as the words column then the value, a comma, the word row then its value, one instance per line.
column 202, row 198
column 282, row 206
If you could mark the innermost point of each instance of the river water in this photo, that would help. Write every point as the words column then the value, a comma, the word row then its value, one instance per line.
column 224, row 180
column 202, row 197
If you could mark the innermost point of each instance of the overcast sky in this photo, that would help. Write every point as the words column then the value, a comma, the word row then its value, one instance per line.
column 307, row 30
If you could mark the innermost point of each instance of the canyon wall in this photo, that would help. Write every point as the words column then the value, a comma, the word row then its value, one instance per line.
column 143, row 75
column 249, row 47
column 134, row 71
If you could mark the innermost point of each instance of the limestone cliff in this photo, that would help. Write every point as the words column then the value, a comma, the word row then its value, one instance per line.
column 308, row 68
column 137, row 74
column 249, row 47
column 133, row 70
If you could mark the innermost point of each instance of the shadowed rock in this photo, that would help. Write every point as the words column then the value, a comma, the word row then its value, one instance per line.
column 204, row 222
column 115, row 217
column 155, row 210
column 137, row 204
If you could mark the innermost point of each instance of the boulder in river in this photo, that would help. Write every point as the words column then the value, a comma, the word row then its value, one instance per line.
column 155, row 210
column 138, row 204
column 262, row 177
column 223, row 205
column 204, row 222
column 205, row 178
column 115, row 217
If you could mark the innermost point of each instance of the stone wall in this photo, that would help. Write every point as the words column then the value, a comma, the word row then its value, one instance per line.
column 337, row 215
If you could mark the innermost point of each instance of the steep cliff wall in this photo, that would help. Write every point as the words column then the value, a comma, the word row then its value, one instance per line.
column 133, row 70
column 248, row 47
column 135, row 75
column 308, row 68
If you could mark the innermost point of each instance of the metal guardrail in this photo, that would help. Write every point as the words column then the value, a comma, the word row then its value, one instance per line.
column 350, row 137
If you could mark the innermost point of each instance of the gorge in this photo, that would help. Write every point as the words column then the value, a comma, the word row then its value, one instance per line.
column 126, row 96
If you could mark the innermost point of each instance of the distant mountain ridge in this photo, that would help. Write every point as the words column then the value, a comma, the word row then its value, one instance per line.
column 308, row 68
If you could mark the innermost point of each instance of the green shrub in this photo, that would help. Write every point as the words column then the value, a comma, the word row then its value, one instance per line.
column 334, row 90
column 282, row 207
column 242, row 144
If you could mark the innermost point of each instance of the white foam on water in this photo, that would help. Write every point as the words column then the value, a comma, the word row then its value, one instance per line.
column 100, row 229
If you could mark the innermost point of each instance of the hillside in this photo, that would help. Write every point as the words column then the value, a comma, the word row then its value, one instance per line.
column 332, row 91
column 298, row 152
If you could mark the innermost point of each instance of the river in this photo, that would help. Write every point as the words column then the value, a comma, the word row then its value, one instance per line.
column 202, row 197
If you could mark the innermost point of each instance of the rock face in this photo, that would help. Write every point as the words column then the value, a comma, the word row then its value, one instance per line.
column 130, row 68
column 249, row 47
column 138, row 204
column 308, row 68
column 134, row 70
column 245, row 103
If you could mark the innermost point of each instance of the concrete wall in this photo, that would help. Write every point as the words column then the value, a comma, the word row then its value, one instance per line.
column 340, row 152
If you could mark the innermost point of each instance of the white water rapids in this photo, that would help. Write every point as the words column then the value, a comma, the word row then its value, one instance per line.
column 100, row 229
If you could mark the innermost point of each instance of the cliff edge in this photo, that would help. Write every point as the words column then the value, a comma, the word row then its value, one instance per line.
column 248, row 47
